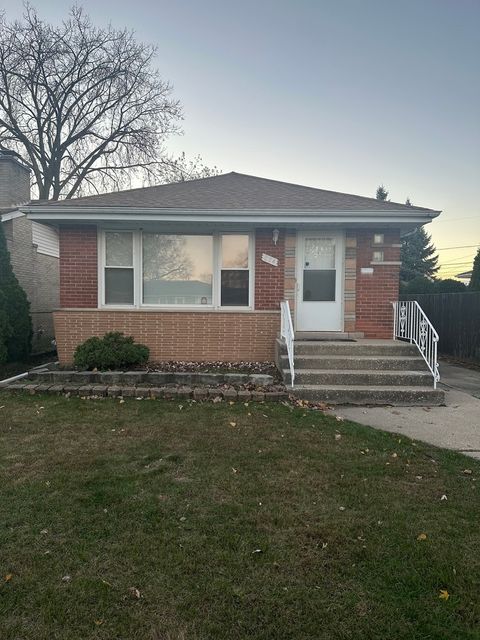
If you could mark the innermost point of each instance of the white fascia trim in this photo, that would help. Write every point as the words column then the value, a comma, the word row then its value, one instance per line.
column 11, row 215
column 228, row 217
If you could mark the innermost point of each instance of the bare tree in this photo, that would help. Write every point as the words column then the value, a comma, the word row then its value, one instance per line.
column 165, row 257
column 84, row 107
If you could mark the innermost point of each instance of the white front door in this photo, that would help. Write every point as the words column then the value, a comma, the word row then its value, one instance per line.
column 319, row 304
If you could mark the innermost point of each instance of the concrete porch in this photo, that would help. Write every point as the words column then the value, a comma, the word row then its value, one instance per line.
column 343, row 369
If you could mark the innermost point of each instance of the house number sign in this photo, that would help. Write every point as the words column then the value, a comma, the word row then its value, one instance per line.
column 269, row 259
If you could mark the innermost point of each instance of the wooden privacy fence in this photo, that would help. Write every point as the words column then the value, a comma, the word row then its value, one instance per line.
column 456, row 317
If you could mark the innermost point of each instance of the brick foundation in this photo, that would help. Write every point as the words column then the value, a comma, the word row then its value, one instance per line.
column 195, row 336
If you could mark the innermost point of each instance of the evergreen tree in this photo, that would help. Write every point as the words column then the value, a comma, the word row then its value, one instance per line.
column 382, row 193
column 418, row 256
column 475, row 279
column 15, row 321
column 449, row 285
column 407, row 202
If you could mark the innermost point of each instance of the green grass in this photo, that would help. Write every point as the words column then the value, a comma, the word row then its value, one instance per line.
column 175, row 501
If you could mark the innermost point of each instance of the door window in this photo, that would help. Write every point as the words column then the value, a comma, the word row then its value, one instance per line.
column 319, row 274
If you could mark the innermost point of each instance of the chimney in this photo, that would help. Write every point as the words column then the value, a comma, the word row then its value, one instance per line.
column 14, row 181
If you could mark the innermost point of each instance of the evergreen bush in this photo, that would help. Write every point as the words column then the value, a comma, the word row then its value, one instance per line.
column 113, row 351
column 15, row 320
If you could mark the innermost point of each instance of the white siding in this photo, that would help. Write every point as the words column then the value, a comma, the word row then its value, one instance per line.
column 46, row 239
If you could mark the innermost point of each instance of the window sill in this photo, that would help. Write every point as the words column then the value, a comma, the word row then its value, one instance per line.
column 176, row 309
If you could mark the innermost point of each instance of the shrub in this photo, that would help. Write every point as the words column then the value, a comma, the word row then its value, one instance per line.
column 113, row 351
column 16, row 324
column 5, row 330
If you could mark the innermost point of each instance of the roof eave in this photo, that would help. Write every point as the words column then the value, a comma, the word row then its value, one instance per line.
column 286, row 216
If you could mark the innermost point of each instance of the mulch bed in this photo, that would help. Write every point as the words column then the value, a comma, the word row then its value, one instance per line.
column 174, row 366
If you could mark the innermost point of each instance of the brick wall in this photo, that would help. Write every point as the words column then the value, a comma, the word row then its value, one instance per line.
column 78, row 267
column 269, row 280
column 376, row 291
column 176, row 335
column 38, row 275
column 14, row 182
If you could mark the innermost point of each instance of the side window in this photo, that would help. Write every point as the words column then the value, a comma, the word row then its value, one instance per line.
column 119, row 286
column 234, row 271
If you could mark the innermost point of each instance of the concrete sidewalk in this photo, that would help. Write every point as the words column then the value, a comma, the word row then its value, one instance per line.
column 455, row 426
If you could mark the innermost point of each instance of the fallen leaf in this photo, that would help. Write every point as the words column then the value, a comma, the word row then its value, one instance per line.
column 467, row 472
column 422, row 536
column 394, row 455
column 444, row 595
column 338, row 436
column 66, row 578
column 135, row 593
column 444, row 497
column 8, row 577
column 99, row 622
column 44, row 531
column 233, row 424
column 257, row 551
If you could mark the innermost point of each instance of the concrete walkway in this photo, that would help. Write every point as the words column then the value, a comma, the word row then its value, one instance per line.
column 455, row 426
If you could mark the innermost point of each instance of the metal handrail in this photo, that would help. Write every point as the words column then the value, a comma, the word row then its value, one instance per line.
column 411, row 323
column 286, row 332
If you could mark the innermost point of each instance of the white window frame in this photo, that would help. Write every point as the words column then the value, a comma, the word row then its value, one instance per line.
column 219, row 268
column 138, row 271
column 102, row 266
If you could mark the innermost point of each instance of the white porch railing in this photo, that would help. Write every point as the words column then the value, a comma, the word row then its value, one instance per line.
column 286, row 332
column 411, row 323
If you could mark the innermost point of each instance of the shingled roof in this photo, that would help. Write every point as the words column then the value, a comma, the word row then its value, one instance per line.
column 235, row 192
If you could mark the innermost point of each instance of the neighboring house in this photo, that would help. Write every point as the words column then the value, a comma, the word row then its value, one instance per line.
column 466, row 275
column 34, row 251
column 197, row 270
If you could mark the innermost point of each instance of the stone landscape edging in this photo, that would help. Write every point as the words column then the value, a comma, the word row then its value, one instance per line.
column 152, row 385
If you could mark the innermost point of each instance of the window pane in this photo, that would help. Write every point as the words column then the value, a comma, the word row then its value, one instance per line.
column 177, row 269
column 234, row 291
column 319, row 253
column 118, row 286
column 119, row 249
column 319, row 285
column 235, row 252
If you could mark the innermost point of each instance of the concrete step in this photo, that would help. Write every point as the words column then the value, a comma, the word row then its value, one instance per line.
column 341, row 362
column 360, row 378
column 371, row 395
column 354, row 349
column 328, row 335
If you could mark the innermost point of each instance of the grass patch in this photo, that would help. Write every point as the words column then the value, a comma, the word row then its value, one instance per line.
column 229, row 521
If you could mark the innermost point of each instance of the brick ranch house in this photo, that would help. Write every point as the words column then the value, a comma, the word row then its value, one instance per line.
column 197, row 270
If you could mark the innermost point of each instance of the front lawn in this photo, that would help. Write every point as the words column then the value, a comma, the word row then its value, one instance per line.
column 154, row 520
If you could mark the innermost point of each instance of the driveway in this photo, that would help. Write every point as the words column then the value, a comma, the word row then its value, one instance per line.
column 455, row 426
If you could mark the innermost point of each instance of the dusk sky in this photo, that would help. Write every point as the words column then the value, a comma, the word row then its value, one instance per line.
column 336, row 94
